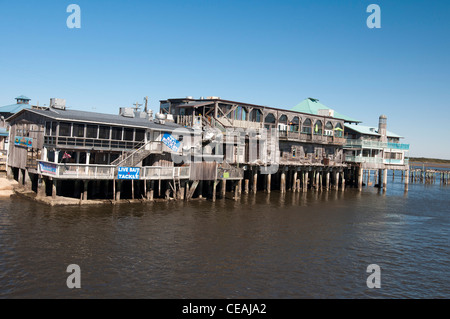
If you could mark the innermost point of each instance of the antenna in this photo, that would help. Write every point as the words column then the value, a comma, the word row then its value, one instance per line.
column 146, row 104
column 137, row 106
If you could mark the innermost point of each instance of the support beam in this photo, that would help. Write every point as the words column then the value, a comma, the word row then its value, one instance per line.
column 327, row 181
column 85, row 189
column 294, row 182
column 360, row 177
column 255, row 180
column 283, row 182
column 268, row 183
column 224, row 188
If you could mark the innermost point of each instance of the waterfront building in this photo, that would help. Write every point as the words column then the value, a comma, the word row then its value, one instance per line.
column 73, row 152
column 192, row 146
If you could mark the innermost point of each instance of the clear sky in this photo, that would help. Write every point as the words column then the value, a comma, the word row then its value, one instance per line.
column 273, row 53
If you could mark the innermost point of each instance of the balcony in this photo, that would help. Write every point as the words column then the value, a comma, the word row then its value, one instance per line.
column 352, row 143
column 76, row 171
column 361, row 159
column 89, row 143
column 102, row 172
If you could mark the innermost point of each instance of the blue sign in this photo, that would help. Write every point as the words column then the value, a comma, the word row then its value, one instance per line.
column 48, row 168
column 23, row 141
column 131, row 173
column 171, row 142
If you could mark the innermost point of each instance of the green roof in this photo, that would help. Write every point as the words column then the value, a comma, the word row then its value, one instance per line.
column 312, row 106
column 14, row 108
column 3, row 131
column 369, row 130
column 23, row 97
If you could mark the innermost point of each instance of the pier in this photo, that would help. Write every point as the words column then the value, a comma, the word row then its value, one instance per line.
column 200, row 149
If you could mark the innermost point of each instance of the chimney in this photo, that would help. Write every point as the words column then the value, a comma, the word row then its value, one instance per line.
column 382, row 128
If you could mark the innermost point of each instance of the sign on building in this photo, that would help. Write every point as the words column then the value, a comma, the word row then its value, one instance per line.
column 48, row 168
column 23, row 141
column 131, row 173
column 171, row 142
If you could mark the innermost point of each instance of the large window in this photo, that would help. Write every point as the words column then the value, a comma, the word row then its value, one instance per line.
column 64, row 129
column 91, row 131
column 140, row 135
column 256, row 116
column 329, row 129
column 78, row 130
column 128, row 134
column 294, row 124
column 306, row 127
column 318, row 128
column 104, row 132
column 116, row 133
column 338, row 130
column 282, row 123
column 240, row 113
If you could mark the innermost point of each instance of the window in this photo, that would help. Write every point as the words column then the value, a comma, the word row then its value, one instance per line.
column 294, row 124
column 92, row 131
column 78, row 130
column 140, row 135
column 104, row 132
column 328, row 129
column 318, row 128
column 48, row 128
column 128, row 134
column 64, row 129
column 338, row 130
column 256, row 116
column 306, row 126
column 116, row 133
column 270, row 119
column 240, row 113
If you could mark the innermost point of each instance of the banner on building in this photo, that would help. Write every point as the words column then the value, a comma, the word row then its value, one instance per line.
column 171, row 142
column 23, row 141
column 131, row 173
column 48, row 168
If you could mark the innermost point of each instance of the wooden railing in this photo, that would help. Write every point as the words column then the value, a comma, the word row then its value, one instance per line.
column 81, row 142
column 92, row 171
column 76, row 171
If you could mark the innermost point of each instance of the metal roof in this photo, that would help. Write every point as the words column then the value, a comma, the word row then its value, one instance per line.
column 101, row 118
column 3, row 131
column 23, row 97
column 369, row 130
column 312, row 106
column 14, row 108
column 195, row 104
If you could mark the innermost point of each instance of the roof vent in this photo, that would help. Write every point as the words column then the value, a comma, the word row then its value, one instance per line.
column 160, row 118
column 59, row 104
column 127, row 112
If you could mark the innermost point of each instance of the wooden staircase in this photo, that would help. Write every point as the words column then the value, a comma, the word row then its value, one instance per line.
column 133, row 158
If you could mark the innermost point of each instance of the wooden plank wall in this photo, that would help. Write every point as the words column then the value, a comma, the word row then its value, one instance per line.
column 204, row 171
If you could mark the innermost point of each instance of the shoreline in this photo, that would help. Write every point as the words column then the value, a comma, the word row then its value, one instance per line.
column 429, row 164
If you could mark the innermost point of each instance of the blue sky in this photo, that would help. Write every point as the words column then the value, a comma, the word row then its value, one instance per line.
column 273, row 53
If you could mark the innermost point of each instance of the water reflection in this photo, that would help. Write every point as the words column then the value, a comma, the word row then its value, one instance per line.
column 292, row 245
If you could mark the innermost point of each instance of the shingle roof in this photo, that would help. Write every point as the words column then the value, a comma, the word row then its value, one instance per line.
column 103, row 118
column 312, row 106
column 369, row 130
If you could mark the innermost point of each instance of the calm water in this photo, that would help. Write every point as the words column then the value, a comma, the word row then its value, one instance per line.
column 315, row 245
